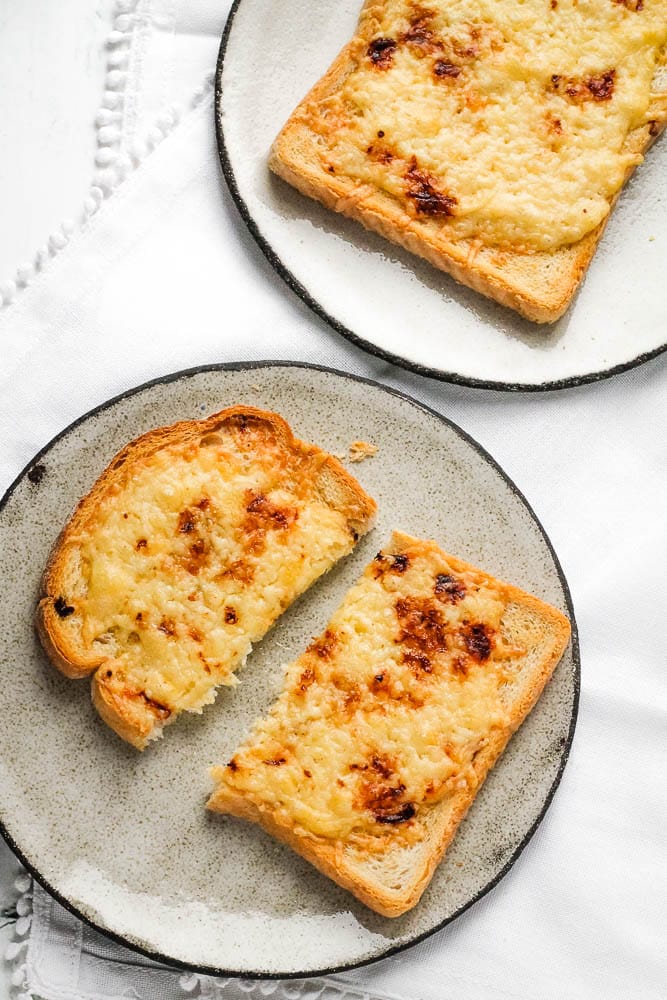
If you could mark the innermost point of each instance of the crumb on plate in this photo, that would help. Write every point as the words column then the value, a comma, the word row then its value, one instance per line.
column 359, row 450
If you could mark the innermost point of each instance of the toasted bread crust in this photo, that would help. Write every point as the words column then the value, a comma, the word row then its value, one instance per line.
column 344, row 866
column 539, row 286
column 136, row 719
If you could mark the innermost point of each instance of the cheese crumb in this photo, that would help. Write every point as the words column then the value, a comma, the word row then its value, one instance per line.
column 359, row 450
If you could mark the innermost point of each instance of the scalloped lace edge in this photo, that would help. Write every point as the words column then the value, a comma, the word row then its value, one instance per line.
column 16, row 950
column 202, row 987
column 113, row 163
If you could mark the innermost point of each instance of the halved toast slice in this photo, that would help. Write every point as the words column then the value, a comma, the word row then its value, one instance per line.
column 389, row 722
column 490, row 139
column 186, row 550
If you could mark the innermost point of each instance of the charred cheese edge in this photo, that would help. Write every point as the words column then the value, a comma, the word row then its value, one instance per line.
column 505, row 122
column 186, row 556
column 383, row 716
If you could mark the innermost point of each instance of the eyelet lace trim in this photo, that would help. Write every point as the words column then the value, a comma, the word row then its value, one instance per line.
column 112, row 162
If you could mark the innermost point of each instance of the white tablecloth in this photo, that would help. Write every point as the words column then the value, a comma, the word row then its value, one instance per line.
column 164, row 276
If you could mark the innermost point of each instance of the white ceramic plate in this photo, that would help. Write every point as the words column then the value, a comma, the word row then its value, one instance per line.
column 384, row 298
column 122, row 838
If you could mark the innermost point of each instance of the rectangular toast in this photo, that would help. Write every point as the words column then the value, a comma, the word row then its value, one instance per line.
column 187, row 549
column 389, row 722
column 491, row 139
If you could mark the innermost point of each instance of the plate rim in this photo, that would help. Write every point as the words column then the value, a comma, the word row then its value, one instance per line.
column 302, row 292
column 214, row 971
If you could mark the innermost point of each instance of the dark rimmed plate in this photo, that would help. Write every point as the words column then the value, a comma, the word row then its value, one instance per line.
column 385, row 299
column 122, row 838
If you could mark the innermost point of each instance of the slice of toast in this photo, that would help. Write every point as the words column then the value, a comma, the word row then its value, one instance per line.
column 473, row 135
column 389, row 722
column 184, row 553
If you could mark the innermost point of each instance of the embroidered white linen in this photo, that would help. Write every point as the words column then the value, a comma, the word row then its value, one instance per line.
column 165, row 276
column 157, row 58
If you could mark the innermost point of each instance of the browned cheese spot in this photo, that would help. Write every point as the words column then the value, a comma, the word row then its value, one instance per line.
column 380, row 153
column 380, row 791
column 168, row 627
column 579, row 90
column 141, row 543
column 231, row 615
column 193, row 523
column 381, row 765
column 443, row 70
column 349, row 691
column 450, row 589
column 324, row 645
column 478, row 639
column 305, row 680
column 460, row 666
column 420, row 37
column 186, row 522
column 241, row 570
column 197, row 554
column 634, row 5
column 263, row 515
column 418, row 663
column 554, row 125
column 422, row 190
column 276, row 761
column 422, row 633
column 384, row 801
column 381, row 52
column 380, row 682
column 389, row 564
column 195, row 635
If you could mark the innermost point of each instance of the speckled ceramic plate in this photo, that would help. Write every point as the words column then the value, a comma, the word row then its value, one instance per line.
column 122, row 838
column 384, row 298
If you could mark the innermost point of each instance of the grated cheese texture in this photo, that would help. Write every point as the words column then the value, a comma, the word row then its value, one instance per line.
column 195, row 554
column 503, row 121
column 385, row 711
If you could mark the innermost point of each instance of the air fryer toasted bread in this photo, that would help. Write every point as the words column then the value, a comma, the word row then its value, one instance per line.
column 388, row 724
column 186, row 550
column 490, row 139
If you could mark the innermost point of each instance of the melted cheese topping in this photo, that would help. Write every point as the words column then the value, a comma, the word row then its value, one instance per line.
column 384, row 713
column 505, row 121
column 195, row 555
